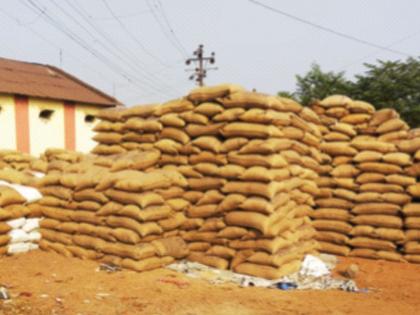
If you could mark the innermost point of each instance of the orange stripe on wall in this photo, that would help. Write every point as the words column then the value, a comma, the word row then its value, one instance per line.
column 22, row 123
column 70, row 125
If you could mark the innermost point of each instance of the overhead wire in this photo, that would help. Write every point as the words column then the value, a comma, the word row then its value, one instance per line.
column 130, row 34
column 162, row 27
column 110, row 46
column 74, row 37
column 328, row 29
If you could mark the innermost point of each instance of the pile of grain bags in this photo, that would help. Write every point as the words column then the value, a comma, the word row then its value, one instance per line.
column 250, row 160
column 411, row 211
column 341, row 119
column 108, row 209
column 18, row 231
column 12, row 159
column 378, row 231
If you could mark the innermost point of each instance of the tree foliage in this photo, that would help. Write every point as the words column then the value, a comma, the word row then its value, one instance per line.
column 386, row 84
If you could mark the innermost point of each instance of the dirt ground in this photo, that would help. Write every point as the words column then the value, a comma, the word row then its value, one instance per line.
column 46, row 283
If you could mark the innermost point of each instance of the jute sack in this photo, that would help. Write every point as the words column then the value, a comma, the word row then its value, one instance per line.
column 338, row 148
column 231, row 114
column 381, row 188
column 414, row 190
column 412, row 248
column 143, row 229
column 203, row 94
column 383, row 168
column 331, row 214
column 415, row 259
column 143, row 200
column 232, row 232
column 340, row 250
column 213, row 224
column 367, row 156
column 208, row 109
column 250, row 130
column 198, row 246
column 392, row 125
column 411, row 210
column 268, row 272
column 412, row 235
column 136, row 252
column 400, row 180
column 374, row 254
column 378, row 220
column 221, row 251
column 173, row 246
column 412, row 222
column 394, row 235
column 147, row 263
column 172, row 120
column 334, row 203
column 376, row 208
column 332, row 237
column 335, row 100
column 397, row 158
column 332, row 226
column 213, row 261
column 197, row 130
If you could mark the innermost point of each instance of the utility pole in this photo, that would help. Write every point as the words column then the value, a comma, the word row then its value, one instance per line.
column 201, row 69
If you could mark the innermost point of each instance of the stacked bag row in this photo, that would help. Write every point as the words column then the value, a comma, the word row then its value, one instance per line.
column 250, row 161
column 341, row 121
column 115, row 210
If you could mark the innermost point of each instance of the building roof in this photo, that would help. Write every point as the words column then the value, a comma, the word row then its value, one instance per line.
column 45, row 81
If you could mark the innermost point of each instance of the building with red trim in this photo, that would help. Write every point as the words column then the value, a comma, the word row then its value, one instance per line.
column 42, row 107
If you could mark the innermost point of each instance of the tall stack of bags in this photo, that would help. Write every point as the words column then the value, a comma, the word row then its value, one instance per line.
column 18, row 232
column 108, row 209
column 341, row 118
column 250, row 161
column 411, row 211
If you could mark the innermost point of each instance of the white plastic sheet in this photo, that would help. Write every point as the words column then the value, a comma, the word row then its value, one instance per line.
column 16, row 223
column 18, row 236
column 313, row 267
column 31, row 194
column 31, row 224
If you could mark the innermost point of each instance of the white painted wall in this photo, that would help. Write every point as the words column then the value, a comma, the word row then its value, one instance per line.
column 84, row 132
column 7, row 122
column 45, row 133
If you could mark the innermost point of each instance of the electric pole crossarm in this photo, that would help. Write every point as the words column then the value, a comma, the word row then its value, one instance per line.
column 200, row 72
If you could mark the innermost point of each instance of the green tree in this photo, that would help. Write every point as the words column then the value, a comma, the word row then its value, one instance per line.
column 392, row 84
column 385, row 84
column 317, row 84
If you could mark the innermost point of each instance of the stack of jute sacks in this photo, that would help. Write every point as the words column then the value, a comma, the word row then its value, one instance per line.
column 18, row 232
column 411, row 211
column 369, row 181
column 112, row 210
column 250, row 160
column 341, row 119
column 12, row 159
column 378, row 231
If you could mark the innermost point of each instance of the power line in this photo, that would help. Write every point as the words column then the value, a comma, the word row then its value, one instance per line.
column 171, row 30
column 182, row 50
column 127, row 16
column 74, row 37
column 122, row 56
column 327, row 29
column 131, row 35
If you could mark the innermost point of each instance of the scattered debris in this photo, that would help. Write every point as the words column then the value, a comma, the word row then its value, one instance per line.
column 178, row 282
column 4, row 294
column 351, row 271
column 314, row 275
column 108, row 268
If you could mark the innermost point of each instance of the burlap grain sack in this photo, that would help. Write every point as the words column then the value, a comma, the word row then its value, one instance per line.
column 411, row 210
column 412, row 248
column 213, row 224
column 151, row 213
column 9, row 196
column 142, row 200
column 104, row 149
column 376, row 208
column 340, row 250
column 126, row 236
column 331, row 214
column 267, row 271
column 394, row 124
column 415, row 259
column 378, row 220
column 335, row 100
column 400, row 180
column 332, row 226
column 393, row 235
column 414, row 190
column 213, row 261
column 412, row 235
column 221, row 251
column 368, row 156
column 375, row 254
column 107, row 126
column 250, row 130
column 338, row 148
column 147, row 263
column 412, row 222
column 203, row 94
column 108, row 137
column 172, row 120
column 332, row 237
column 143, row 229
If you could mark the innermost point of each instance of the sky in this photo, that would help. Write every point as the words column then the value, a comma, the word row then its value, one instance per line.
column 135, row 50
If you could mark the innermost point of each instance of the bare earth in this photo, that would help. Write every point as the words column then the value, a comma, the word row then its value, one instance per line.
column 46, row 283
